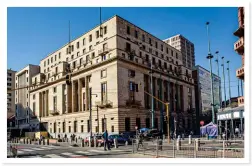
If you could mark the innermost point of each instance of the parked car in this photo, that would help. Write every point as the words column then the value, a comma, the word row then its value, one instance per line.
column 99, row 141
column 120, row 138
column 152, row 133
column 130, row 135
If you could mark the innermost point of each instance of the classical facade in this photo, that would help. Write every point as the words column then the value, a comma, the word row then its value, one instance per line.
column 10, row 93
column 23, row 80
column 186, row 48
column 110, row 74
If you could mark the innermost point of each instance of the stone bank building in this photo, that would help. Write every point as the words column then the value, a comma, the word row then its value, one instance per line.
column 112, row 62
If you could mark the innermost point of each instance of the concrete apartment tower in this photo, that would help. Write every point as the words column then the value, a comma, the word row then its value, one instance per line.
column 239, row 48
column 10, row 94
column 185, row 47
column 23, row 79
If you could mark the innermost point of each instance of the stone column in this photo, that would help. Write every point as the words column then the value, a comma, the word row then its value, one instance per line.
column 69, row 99
column 46, row 103
column 43, row 104
column 40, row 104
column 87, row 93
column 73, row 96
column 80, row 94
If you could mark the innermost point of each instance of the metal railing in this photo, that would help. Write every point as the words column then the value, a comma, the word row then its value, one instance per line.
column 197, row 149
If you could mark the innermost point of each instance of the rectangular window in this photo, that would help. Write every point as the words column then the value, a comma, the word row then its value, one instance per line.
column 128, row 30
column 55, row 103
column 63, row 127
column 105, row 30
column 104, row 73
column 51, row 59
column 84, row 51
column 138, row 122
column 78, row 53
column 75, row 126
column 81, row 61
column 44, row 63
column 34, row 108
column 59, row 55
column 93, row 55
column 143, row 38
column 83, row 41
column 82, row 128
column 72, row 48
column 127, row 124
column 156, row 44
column 112, row 129
column 69, row 129
column 136, row 34
column 78, row 45
column 74, row 64
column 67, row 59
column 54, row 89
column 33, row 97
column 150, row 41
column 104, row 93
column 97, row 34
column 162, row 47
column 90, row 48
column 55, row 57
column 132, row 73
column 90, row 38
column 167, row 51
column 48, row 61
column 72, row 57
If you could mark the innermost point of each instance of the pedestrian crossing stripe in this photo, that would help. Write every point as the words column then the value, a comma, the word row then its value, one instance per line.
column 99, row 151
column 47, row 147
column 20, row 152
column 37, row 149
column 27, row 150
column 71, row 154
column 53, row 156
column 81, row 152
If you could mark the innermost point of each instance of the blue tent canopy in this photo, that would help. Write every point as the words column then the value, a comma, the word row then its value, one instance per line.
column 143, row 130
column 210, row 129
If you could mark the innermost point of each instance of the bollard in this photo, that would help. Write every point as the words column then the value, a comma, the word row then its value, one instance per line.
column 95, row 142
column 47, row 141
column 160, row 143
column 126, row 143
column 30, row 141
column 190, row 140
column 43, row 141
column 197, row 144
column 89, row 141
column 178, row 144
column 116, row 142
column 27, row 141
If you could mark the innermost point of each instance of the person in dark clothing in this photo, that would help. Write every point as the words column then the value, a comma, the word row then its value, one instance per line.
column 105, row 138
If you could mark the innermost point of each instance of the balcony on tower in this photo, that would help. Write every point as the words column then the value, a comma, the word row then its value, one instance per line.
column 241, row 101
column 239, row 46
column 240, row 73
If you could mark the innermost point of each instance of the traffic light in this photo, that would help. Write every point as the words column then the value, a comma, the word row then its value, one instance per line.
column 68, row 79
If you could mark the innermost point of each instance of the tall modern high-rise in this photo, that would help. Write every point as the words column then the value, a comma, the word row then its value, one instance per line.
column 186, row 47
column 10, row 94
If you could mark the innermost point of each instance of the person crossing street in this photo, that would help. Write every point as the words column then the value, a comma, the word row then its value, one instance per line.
column 106, row 142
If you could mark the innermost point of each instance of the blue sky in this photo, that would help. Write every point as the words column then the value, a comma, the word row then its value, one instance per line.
column 33, row 33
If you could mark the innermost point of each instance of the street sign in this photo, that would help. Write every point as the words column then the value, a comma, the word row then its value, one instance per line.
column 202, row 123
column 136, row 127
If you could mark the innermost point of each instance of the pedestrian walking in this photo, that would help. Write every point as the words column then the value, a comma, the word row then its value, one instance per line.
column 105, row 140
column 140, row 141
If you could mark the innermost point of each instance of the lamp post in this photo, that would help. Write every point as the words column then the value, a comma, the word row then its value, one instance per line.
column 224, row 81
column 210, row 56
column 229, row 83
column 219, row 89
column 152, row 99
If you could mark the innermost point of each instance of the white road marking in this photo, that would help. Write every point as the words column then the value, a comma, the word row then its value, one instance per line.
column 99, row 151
column 20, row 152
column 71, row 154
column 81, row 152
column 47, row 147
column 27, row 150
column 53, row 156
column 37, row 149
column 34, row 156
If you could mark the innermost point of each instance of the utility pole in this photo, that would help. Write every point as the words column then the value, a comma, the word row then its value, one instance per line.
column 229, row 83
column 224, row 81
column 219, row 89
column 210, row 56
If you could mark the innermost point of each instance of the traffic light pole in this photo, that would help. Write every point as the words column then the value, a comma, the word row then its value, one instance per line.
column 167, row 114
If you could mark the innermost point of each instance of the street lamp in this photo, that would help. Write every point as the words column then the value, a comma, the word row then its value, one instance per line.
column 219, row 89
column 210, row 56
column 152, row 99
column 224, row 81
column 229, row 83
